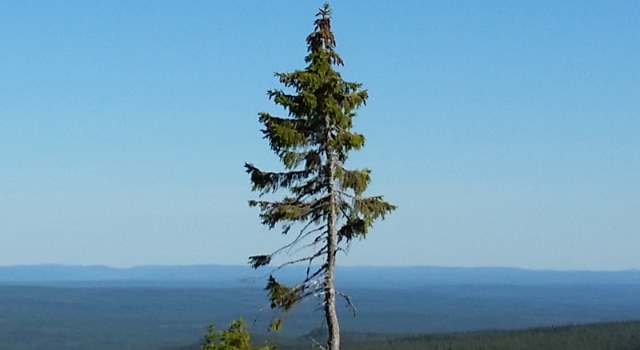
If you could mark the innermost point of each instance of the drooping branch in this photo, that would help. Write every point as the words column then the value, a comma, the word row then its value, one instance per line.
column 347, row 298
column 289, row 210
column 266, row 182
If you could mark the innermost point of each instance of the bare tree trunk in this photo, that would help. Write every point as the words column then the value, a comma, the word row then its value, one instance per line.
column 331, row 316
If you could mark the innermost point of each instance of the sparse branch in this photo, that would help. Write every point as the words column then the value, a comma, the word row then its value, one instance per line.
column 292, row 262
column 313, row 243
column 302, row 234
column 349, row 302
column 317, row 344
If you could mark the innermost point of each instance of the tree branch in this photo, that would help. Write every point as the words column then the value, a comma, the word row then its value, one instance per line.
column 349, row 302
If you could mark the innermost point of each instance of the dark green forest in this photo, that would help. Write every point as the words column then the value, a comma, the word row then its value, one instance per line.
column 618, row 336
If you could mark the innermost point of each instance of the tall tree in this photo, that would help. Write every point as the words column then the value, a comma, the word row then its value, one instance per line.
column 325, row 202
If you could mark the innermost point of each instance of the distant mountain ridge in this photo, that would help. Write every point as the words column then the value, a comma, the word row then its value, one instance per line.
column 210, row 275
column 347, row 276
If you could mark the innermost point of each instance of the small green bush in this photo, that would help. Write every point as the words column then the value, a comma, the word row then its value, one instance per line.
column 236, row 337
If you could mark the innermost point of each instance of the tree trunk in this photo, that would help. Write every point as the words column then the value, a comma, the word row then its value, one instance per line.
column 333, row 342
column 331, row 316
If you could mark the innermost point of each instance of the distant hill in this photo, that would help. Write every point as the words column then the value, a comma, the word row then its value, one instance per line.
column 191, row 275
column 165, row 307
column 352, row 276
column 428, row 275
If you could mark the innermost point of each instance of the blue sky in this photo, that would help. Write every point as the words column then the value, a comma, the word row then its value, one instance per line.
column 507, row 132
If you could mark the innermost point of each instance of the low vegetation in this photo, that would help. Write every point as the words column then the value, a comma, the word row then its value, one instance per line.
column 236, row 337
column 619, row 336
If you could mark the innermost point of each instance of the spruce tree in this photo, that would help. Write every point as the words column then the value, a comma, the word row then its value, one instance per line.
column 325, row 204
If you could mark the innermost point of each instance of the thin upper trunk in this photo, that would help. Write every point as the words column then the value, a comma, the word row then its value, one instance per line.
column 333, row 327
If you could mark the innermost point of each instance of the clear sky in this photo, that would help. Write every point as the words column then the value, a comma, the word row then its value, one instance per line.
column 507, row 132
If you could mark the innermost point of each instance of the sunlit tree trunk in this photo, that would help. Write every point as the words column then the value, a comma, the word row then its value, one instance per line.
column 331, row 316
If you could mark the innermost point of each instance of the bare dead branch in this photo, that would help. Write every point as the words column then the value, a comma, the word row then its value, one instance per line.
column 349, row 302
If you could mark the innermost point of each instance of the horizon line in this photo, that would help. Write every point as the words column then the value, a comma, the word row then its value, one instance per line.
column 362, row 266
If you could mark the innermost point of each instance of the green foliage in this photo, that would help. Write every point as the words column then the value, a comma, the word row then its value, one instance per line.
column 235, row 337
column 313, row 143
column 280, row 295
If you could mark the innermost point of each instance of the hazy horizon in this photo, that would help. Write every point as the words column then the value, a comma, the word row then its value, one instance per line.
column 339, row 265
